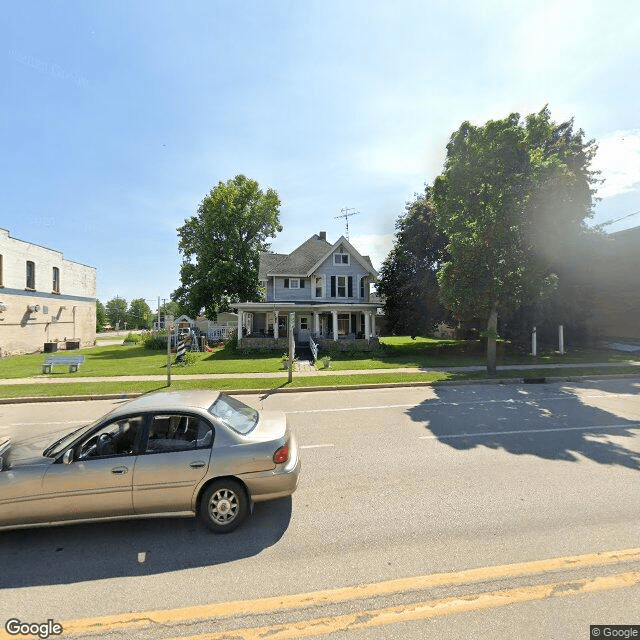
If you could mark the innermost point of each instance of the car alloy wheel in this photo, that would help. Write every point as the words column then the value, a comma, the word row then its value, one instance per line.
column 224, row 505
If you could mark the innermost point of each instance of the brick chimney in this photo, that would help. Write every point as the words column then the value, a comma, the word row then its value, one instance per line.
column 323, row 235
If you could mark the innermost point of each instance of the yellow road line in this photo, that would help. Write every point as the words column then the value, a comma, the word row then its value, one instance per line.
column 423, row 610
column 329, row 596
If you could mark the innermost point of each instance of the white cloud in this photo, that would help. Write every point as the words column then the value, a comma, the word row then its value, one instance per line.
column 376, row 246
column 618, row 158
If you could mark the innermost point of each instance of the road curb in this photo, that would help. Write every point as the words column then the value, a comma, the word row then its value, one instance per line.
column 384, row 385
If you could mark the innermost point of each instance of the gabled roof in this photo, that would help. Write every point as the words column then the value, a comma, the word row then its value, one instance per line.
column 304, row 260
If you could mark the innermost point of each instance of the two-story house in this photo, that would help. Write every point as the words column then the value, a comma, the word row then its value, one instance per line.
column 325, row 285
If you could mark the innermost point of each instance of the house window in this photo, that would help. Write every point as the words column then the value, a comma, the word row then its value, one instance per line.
column 304, row 323
column 293, row 283
column 31, row 274
column 342, row 286
column 340, row 258
column 56, row 280
column 318, row 284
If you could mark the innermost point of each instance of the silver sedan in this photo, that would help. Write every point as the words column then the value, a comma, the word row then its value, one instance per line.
column 194, row 452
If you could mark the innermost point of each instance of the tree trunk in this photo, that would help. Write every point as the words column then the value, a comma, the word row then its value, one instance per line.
column 492, row 334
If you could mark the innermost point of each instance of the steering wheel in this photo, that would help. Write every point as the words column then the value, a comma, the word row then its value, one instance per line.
column 105, row 441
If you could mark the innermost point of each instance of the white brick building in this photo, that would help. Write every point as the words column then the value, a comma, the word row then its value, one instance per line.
column 44, row 298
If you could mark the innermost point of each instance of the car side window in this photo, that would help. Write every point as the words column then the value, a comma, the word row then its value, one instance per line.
column 116, row 438
column 178, row 432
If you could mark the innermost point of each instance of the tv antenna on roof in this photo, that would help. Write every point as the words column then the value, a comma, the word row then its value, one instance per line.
column 346, row 215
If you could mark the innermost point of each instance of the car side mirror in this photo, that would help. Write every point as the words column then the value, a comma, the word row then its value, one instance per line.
column 67, row 458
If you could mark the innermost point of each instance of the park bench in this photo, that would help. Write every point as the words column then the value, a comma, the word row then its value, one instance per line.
column 73, row 363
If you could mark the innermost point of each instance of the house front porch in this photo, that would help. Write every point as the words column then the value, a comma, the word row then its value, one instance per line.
column 267, row 325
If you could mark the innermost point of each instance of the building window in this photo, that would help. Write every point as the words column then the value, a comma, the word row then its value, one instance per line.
column 304, row 323
column 342, row 286
column 293, row 283
column 318, row 283
column 56, row 280
column 340, row 258
column 31, row 274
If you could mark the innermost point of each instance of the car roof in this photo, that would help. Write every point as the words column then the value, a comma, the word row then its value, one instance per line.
column 200, row 399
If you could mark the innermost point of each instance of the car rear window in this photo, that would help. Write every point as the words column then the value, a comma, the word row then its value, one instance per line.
column 235, row 414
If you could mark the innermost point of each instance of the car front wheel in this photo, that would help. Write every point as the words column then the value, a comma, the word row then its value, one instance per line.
column 224, row 505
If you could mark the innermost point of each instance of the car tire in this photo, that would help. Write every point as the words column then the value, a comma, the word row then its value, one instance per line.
column 224, row 505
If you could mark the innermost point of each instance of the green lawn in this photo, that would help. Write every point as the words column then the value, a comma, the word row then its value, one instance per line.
column 114, row 360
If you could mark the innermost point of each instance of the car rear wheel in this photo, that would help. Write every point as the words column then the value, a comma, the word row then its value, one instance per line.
column 224, row 505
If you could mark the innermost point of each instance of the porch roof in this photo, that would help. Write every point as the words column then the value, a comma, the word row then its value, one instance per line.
column 309, row 305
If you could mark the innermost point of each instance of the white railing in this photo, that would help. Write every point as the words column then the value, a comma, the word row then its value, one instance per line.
column 314, row 348
column 219, row 332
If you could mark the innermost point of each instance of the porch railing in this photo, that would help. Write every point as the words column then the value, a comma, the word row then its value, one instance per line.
column 314, row 348
column 220, row 332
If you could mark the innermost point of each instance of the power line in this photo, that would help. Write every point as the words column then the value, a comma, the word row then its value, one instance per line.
column 608, row 222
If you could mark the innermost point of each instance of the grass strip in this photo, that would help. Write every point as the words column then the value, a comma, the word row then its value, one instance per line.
column 321, row 381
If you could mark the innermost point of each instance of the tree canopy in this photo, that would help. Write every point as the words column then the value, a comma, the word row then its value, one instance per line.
column 408, row 280
column 510, row 198
column 221, row 246
column 116, row 309
column 139, row 315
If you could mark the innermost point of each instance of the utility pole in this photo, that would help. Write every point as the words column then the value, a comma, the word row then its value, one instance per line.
column 346, row 215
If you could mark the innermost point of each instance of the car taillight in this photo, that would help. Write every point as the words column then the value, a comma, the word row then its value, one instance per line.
column 281, row 455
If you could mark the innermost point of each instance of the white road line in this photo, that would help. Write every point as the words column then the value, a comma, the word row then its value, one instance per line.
column 443, row 403
column 317, row 446
column 633, row 425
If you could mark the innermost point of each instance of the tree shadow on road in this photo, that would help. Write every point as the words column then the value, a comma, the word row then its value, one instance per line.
column 551, row 421
column 76, row 553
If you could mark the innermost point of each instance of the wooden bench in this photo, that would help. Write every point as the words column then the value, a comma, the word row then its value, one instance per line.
column 73, row 363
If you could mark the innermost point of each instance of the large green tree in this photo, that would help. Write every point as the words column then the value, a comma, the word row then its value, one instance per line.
column 101, row 317
column 116, row 309
column 511, row 195
column 408, row 281
column 221, row 246
column 139, row 315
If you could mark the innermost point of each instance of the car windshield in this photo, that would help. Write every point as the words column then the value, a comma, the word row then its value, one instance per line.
column 234, row 414
column 58, row 446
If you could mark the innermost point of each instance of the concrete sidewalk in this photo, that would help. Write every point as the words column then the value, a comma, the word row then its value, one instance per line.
column 49, row 379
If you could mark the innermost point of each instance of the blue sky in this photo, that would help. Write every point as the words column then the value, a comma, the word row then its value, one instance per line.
column 117, row 118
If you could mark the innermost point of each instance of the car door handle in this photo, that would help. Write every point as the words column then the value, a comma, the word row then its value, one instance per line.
column 197, row 465
column 119, row 471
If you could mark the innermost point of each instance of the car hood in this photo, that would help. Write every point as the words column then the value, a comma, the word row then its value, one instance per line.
column 27, row 451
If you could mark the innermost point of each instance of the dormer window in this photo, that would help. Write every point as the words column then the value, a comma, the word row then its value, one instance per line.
column 340, row 258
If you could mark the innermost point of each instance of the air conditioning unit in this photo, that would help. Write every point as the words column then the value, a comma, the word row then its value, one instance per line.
column 33, row 308
column 3, row 307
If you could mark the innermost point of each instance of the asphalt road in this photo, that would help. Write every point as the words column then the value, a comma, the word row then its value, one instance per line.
column 484, row 511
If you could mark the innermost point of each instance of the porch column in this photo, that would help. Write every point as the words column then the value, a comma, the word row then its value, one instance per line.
column 367, row 325
column 316, row 322
column 240, row 314
column 335, row 325
column 373, row 324
column 275, row 325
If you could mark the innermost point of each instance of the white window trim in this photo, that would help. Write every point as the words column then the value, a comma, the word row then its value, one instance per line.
column 323, row 278
column 346, row 287
column 341, row 264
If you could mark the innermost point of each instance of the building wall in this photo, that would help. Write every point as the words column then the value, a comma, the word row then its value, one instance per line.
column 33, row 316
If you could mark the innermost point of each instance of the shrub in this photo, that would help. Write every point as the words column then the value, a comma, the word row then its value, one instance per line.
column 155, row 341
